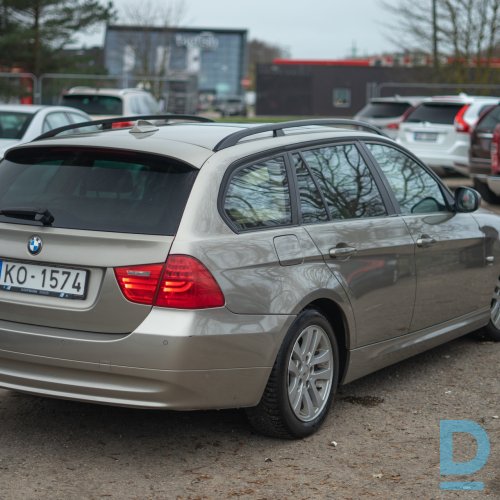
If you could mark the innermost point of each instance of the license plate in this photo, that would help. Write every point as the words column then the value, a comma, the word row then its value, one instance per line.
column 38, row 279
column 426, row 136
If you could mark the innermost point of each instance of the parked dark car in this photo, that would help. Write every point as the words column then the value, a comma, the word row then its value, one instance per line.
column 480, row 153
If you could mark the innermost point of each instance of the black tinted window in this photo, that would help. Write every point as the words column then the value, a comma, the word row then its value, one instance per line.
column 95, row 104
column 13, row 124
column 415, row 189
column 384, row 109
column 258, row 196
column 346, row 182
column 97, row 190
column 311, row 203
column 490, row 120
column 435, row 113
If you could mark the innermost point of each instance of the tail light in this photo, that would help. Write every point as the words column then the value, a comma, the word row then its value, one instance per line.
column 122, row 124
column 393, row 126
column 183, row 282
column 495, row 151
column 460, row 124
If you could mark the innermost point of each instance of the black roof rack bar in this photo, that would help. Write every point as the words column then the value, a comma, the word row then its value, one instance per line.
column 108, row 122
column 277, row 129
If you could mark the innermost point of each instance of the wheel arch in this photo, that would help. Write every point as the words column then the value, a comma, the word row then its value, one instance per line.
column 338, row 320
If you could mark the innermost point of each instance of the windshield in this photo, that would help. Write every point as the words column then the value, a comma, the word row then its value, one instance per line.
column 384, row 109
column 95, row 104
column 13, row 125
column 96, row 189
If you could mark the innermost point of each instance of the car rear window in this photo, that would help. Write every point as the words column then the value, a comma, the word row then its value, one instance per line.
column 490, row 120
column 435, row 113
column 384, row 109
column 95, row 104
column 13, row 124
column 97, row 189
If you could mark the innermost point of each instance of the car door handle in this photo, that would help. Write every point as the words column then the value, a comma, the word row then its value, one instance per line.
column 342, row 252
column 425, row 241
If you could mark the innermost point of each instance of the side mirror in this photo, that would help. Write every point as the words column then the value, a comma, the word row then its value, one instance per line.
column 467, row 199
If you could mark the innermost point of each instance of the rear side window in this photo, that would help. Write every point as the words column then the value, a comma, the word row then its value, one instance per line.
column 97, row 190
column 312, row 207
column 346, row 182
column 384, row 109
column 435, row 113
column 258, row 196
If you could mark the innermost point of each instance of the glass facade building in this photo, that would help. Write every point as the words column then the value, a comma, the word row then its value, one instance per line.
column 217, row 57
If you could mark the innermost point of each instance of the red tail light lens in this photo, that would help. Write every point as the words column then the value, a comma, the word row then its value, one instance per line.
column 183, row 282
column 393, row 126
column 122, row 124
column 460, row 124
column 187, row 284
column 139, row 283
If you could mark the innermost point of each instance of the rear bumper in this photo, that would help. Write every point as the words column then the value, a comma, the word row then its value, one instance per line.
column 175, row 360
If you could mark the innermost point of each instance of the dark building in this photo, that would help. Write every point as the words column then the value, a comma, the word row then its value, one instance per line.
column 336, row 88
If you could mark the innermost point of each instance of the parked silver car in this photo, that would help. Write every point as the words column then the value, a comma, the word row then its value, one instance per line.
column 211, row 265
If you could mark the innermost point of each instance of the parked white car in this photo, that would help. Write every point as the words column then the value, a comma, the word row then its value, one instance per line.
column 438, row 130
column 23, row 122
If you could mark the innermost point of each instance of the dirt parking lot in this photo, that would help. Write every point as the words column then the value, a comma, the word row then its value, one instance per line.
column 381, row 440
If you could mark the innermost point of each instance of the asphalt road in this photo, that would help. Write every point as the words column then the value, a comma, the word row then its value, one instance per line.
column 381, row 440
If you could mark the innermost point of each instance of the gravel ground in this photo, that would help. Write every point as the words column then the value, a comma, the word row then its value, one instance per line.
column 381, row 440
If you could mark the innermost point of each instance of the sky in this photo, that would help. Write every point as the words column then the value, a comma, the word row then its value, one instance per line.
column 308, row 29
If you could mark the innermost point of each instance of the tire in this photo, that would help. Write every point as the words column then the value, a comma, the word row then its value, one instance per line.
column 486, row 193
column 492, row 329
column 303, row 381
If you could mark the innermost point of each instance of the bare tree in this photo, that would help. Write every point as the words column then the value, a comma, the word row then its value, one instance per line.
column 463, row 34
column 150, row 48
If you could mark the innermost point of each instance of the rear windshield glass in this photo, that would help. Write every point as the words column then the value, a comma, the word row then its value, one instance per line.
column 95, row 104
column 384, row 109
column 435, row 113
column 490, row 120
column 97, row 189
column 13, row 125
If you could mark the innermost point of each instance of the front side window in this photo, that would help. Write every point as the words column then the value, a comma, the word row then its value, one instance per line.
column 258, row 196
column 346, row 182
column 55, row 120
column 414, row 188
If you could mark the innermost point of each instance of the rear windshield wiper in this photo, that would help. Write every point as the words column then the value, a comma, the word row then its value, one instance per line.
column 42, row 215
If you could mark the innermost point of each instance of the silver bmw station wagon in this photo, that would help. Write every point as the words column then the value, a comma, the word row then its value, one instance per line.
column 193, row 265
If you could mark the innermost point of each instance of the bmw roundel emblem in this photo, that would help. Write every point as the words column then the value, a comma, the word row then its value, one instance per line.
column 35, row 245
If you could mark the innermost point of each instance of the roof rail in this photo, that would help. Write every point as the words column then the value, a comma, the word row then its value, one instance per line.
column 108, row 122
column 277, row 129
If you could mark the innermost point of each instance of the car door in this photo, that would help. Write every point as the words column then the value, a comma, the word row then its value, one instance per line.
column 449, row 246
column 369, row 250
